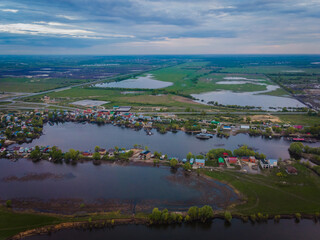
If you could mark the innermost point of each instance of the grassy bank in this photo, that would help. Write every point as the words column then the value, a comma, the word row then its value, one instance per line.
column 305, row 120
column 12, row 223
column 273, row 194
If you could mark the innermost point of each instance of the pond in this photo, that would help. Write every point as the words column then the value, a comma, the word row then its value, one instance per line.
column 45, row 186
column 255, row 99
column 86, row 136
column 285, row 229
column 141, row 82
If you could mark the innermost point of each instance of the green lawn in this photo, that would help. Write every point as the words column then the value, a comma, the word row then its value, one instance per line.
column 35, row 85
column 300, row 119
column 13, row 223
column 278, row 92
column 272, row 194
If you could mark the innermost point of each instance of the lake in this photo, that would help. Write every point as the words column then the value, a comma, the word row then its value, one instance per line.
column 145, row 82
column 285, row 229
column 126, row 187
column 255, row 99
column 86, row 136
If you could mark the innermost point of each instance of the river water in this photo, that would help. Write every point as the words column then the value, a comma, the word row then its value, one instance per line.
column 141, row 82
column 87, row 136
column 143, row 185
column 286, row 229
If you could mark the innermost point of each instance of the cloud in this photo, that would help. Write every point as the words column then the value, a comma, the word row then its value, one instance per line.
column 246, row 25
column 54, row 29
column 10, row 10
column 68, row 17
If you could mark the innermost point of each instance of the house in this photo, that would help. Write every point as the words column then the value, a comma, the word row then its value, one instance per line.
column 145, row 154
column 252, row 159
column 291, row 170
column 225, row 154
column 200, row 162
column 227, row 128
column 111, row 152
column 102, row 151
column 245, row 127
column 264, row 163
column 221, row 161
column 232, row 160
column 273, row 163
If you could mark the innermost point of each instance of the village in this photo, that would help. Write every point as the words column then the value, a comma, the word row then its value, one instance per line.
column 24, row 126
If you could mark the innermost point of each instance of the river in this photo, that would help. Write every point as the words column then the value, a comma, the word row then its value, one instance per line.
column 286, row 229
column 86, row 136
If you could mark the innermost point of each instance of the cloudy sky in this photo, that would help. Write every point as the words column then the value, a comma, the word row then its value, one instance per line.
column 159, row 26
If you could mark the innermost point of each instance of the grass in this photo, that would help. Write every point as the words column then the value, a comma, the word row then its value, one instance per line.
column 269, row 194
column 300, row 119
column 35, row 85
column 12, row 223
column 278, row 93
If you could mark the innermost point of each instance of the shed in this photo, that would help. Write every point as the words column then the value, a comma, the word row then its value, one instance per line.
column 273, row 163
column 221, row 161
column 291, row 170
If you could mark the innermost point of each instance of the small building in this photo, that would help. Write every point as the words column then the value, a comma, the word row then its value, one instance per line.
column 291, row 170
column 102, row 151
column 245, row 127
column 221, row 161
column 123, row 109
column 232, row 160
column 273, row 163
column 145, row 155
column 200, row 162
column 252, row 159
column 227, row 128
column 111, row 152
column 264, row 163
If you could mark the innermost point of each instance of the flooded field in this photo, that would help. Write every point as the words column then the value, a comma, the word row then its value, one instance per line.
column 145, row 82
column 61, row 188
column 286, row 229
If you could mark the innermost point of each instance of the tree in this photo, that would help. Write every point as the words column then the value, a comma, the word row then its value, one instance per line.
column 296, row 149
column 217, row 153
column 193, row 213
column 8, row 203
column 96, row 156
column 97, row 148
column 205, row 213
column 187, row 166
column 248, row 119
column 189, row 156
column 56, row 154
column 173, row 163
column 227, row 216
column 36, row 154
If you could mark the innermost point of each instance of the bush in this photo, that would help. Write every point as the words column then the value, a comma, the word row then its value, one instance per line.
column 298, row 217
column 193, row 213
column 205, row 213
column 228, row 216
column 9, row 204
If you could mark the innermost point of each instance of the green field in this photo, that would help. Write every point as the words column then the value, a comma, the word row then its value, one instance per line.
column 13, row 223
column 270, row 194
column 300, row 119
column 34, row 85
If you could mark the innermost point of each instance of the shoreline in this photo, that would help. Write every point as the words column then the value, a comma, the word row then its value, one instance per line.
column 107, row 223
